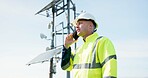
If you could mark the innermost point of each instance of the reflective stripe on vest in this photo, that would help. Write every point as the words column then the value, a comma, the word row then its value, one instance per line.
column 108, row 58
column 90, row 65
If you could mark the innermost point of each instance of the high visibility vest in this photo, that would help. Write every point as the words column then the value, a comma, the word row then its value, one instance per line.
column 96, row 58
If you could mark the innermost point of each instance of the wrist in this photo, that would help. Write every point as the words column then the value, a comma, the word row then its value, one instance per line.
column 66, row 46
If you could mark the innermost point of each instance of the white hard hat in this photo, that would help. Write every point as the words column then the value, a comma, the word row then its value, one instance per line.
column 86, row 16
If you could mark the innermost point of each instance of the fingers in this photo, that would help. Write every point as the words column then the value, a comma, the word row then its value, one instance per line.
column 68, row 41
column 69, row 37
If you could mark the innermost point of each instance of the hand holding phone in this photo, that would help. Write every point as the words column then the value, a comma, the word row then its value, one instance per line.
column 70, row 39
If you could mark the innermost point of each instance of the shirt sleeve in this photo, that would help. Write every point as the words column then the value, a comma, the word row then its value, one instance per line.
column 66, row 62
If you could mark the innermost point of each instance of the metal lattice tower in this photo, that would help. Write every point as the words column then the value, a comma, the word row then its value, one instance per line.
column 56, row 7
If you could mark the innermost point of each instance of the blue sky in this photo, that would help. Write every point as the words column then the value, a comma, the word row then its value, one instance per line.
column 125, row 22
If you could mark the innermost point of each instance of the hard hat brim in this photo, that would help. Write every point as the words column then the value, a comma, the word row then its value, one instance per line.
column 74, row 22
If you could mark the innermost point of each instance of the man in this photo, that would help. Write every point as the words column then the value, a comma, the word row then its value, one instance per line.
column 96, row 58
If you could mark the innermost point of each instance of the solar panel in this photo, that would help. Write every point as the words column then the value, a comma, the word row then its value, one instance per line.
column 50, row 5
column 44, row 57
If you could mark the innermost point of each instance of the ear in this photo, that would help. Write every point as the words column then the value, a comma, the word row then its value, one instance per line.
column 91, row 26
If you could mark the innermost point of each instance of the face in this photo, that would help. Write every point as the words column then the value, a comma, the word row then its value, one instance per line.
column 83, row 28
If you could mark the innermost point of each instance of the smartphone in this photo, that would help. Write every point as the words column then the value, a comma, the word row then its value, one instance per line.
column 75, row 36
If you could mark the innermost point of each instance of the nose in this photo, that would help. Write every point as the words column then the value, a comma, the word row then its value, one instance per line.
column 77, row 25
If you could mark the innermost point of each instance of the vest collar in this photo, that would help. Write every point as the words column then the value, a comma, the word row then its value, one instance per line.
column 91, row 37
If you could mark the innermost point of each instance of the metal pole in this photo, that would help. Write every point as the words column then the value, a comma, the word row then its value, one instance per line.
column 52, row 44
column 68, row 11
column 74, row 9
column 68, row 27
